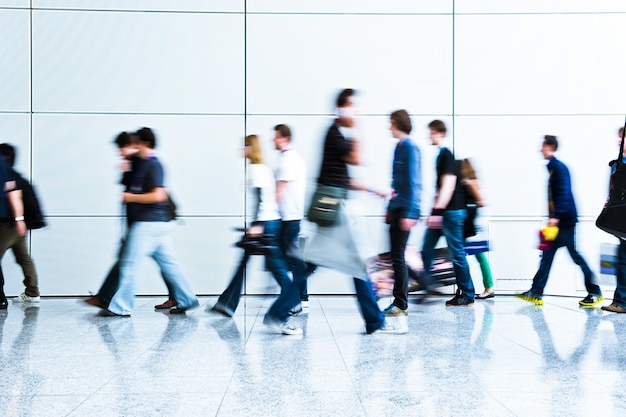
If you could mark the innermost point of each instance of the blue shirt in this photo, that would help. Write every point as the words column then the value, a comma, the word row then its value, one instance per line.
column 406, row 179
column 561, row 203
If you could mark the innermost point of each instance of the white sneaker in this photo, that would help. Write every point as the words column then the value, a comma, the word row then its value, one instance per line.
column 290, row 329
column 394, row 325
column 23, row 298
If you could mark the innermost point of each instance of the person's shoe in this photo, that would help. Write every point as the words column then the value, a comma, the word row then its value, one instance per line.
column 460, row 300
column 182, row 310
column 392, row 310
column 531, row 297
column 218, row 308
column 393, row 325
column 289, row 329
column 591, row 300
column 296, row 310
column 109, row 313
column 614, row 308
column 4, row 304
column 23, row 298
column 168, row 304
column 95, row 301
column 485, row 295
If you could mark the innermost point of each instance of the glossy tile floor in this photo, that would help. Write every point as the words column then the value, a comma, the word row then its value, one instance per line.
column 501, row 357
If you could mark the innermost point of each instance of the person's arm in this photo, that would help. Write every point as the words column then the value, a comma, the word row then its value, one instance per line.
column 280, row 190
column 17, row 206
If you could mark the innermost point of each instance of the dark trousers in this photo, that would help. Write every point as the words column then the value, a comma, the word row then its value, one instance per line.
column 398, row 239
column 567, row 238
column 8, row 238
column 619, row 297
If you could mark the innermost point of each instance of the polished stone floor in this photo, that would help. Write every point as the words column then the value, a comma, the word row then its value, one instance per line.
column 501, row 357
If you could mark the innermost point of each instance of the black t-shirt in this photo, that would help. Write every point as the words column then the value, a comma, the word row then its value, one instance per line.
column 446, row 164
column 334, row 171
column 147, row 175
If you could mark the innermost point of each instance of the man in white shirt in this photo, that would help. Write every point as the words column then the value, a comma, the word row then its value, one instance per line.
column 290, row 194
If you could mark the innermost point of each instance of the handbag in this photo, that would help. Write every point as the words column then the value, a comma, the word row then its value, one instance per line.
column 325, row 205
column 612, row 219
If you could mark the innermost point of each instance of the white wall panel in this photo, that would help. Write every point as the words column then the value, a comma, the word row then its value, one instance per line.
column 24, row 4
column 14, row 60
column 538, row 6
column 73, row 156
column 129, row 62
column 506, row 152
column 540, row 64
column 15, row 129
column 294, row 67
column 144, row 5
column 349, row 6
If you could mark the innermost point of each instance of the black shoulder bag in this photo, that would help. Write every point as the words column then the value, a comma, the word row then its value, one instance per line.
column 613, row 217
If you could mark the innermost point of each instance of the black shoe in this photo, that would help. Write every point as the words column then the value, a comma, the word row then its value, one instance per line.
column 4, row 304
column 459, row 300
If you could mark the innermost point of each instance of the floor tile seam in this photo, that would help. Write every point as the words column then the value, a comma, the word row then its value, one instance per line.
column 343, row 360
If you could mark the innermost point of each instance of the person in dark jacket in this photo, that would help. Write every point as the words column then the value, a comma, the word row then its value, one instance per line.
column 563, row 214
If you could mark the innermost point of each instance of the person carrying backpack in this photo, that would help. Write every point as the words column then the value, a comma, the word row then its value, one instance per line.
column 34, row 219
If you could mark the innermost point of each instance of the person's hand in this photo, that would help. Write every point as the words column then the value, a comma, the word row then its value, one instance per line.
column 407, row 224
column 20, row 226
column 434, row 222
column 553, row 221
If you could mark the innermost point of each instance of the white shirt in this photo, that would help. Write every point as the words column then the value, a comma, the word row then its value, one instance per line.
column 261, row 177
column 292, row 169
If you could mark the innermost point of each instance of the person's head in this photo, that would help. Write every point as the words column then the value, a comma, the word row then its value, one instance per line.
column 467, row 170
column 146, row 137
column 549, row 147
column 438, row 132
column 127, row 144
column 345, row 107
column 400, row 124
column 252, row 149
column 7, row 153
column 282, row 136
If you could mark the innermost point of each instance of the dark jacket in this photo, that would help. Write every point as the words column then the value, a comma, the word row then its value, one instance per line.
column 561, row 203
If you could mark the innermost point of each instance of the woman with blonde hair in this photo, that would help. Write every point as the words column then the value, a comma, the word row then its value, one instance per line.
column 266, row 221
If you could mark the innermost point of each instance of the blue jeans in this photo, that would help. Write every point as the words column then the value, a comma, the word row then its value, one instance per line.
column 274, row 260
column 567, row 238
column 112, row 281
column 452, row 229
column 374, row 318
column 619, row 297
column 150, row 239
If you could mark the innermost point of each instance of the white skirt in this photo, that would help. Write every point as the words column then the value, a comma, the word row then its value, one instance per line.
column 344, row 247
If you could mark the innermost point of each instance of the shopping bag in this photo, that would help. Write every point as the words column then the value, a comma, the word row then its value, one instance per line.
column 380, row 270
column 608, row 262
column 478, row 243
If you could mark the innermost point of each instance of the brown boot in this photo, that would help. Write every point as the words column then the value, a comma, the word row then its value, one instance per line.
column 166, row 305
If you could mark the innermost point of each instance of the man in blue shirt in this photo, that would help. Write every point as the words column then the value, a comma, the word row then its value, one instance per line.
column 563, row 214
column 403, row 211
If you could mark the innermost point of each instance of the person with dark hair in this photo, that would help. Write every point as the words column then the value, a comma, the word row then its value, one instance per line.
column 340, row 246
column 562, row 214
column 149, row 216
column 127, row 146
column 447, row 218
column 19, row 247
column 619, row 296
column 403, row 210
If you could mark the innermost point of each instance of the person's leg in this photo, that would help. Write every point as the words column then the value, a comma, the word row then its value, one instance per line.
column 139, row 245
column 431, row 237
column 485, row 269
column 541, row 276
column 8, row 237
column 619, row 297
column 165, row 257
column 289, row 295
column 23, row 259
column 453, row 221
column 374, row 318
column 398, row 239
column 290, row 245
column 591, row 282
column 229, row 300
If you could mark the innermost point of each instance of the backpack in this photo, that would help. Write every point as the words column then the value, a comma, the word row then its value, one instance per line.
column 33, row 215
